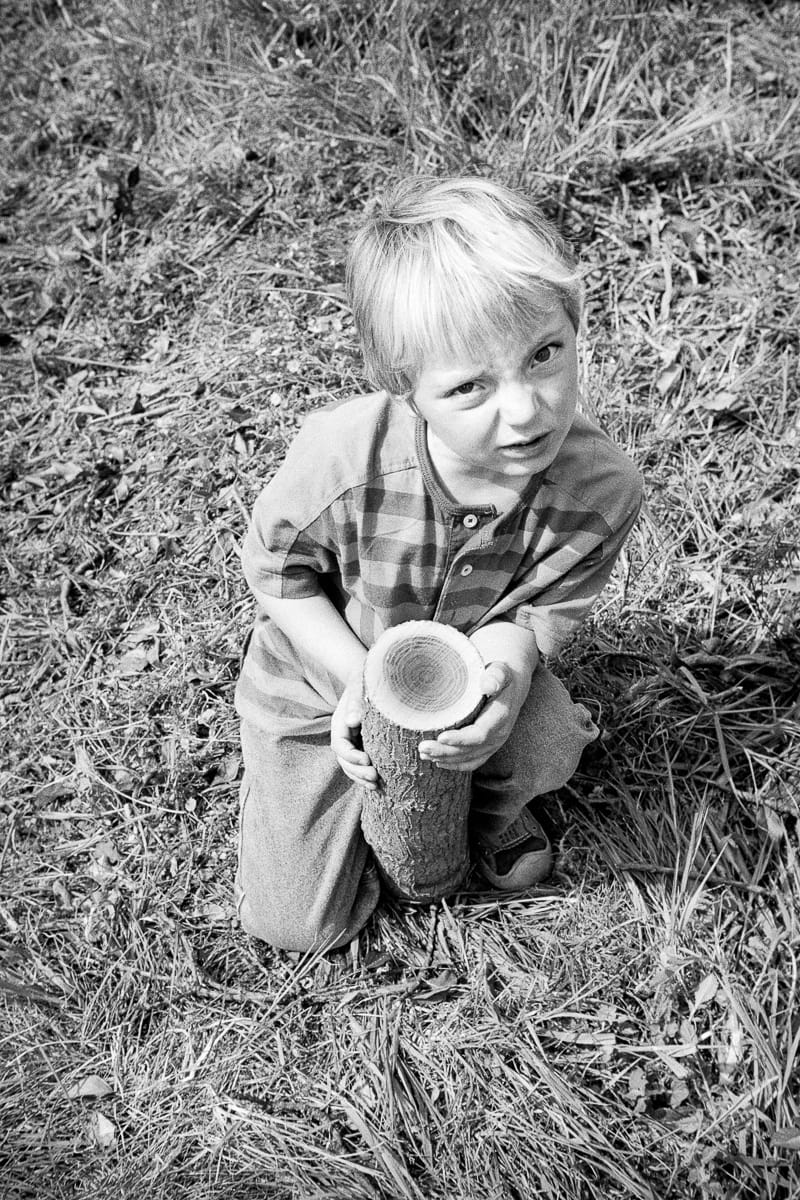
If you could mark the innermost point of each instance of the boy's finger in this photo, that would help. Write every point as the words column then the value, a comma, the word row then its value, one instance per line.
column 363, row 772
column 363, row 781
column 496, row 677
column 443, row 755
column 486, row 725
column 343, row 748
column 470, row 763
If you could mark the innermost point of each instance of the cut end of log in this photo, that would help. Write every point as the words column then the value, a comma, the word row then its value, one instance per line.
column 424, row 676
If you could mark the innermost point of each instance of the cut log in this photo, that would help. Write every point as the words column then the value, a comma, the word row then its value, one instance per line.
column 420, row 678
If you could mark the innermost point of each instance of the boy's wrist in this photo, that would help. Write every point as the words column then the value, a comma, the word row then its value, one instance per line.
column 502, row 641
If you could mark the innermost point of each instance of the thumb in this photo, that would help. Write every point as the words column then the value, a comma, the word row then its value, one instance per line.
column 496, row 677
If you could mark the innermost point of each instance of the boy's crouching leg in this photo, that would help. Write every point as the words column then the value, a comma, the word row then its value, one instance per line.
column 305, row 880
column 541, row 755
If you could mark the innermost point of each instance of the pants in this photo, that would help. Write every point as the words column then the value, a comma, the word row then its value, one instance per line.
column 305, row 878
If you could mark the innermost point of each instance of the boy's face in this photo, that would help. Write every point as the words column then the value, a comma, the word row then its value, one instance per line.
column 506, row 413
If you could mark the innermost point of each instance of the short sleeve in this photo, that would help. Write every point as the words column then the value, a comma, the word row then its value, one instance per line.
column 589, row 505
column 288, row 545
column 557, row 612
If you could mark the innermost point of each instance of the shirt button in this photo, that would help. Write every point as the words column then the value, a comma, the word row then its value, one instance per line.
column 466, row 569
column 470, row 521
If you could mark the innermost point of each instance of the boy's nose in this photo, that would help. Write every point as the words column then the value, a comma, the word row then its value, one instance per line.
column 517, row 403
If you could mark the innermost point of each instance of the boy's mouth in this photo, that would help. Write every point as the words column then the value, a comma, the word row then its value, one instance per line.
column 526, row 445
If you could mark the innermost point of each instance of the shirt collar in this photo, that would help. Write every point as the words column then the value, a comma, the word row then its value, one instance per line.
column 440, row 497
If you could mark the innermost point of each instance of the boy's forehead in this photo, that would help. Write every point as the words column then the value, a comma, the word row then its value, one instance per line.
column 494, row 345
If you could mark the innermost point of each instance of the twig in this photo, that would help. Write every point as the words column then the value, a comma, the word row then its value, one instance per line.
column 241, row 225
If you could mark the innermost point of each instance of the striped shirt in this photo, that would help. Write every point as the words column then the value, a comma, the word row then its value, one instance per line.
column 356, row 512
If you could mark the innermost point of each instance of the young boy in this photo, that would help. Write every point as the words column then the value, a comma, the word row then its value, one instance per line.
column 467, row 491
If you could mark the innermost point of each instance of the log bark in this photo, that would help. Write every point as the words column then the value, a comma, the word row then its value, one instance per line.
column 420, row 678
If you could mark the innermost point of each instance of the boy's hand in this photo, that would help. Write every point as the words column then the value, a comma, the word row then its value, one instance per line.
column 346, row 737
column 468, row 748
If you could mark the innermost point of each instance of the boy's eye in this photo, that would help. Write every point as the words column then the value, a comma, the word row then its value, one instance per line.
column 544, row 353
column 464, row 389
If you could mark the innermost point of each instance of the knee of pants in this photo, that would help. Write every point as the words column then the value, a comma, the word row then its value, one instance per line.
column 545, row 746
column 297, row 931
column 308, row 917
column 310, row 890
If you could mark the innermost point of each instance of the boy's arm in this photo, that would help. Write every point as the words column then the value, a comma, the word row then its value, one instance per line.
column 511, row 656
column 315, row 628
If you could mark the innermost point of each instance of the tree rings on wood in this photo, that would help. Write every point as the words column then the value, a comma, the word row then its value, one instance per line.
column 424, row 676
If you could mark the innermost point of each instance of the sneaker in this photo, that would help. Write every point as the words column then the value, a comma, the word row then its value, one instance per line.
column 521, row 857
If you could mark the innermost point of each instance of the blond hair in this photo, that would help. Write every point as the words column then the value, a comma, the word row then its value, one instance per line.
column 441, row 266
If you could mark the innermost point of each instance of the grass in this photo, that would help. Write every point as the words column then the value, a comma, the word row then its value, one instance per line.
column 179, row 182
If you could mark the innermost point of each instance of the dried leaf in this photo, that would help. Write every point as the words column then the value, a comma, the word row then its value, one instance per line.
column 84, row 769
column 93, row 1086
column 776, row 830
column 152, row 387
column 668, row 380
column 215, row 913
column 53, row 791
column 62, row 894
column 241, row 444
column 690, row 1124
column 637, row 1083
column 705, row 992
column 720, row 402
column 133, row 662
column 68, row 471
column 105, row 851
column 439, row 987
column 144, row 632
column 102, row 1131
column 787, row 1138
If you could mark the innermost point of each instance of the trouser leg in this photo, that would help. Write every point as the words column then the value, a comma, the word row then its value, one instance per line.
column 305, row 879
column 541, row 754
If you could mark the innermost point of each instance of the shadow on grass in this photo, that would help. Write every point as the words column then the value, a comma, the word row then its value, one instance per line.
column 699, row 754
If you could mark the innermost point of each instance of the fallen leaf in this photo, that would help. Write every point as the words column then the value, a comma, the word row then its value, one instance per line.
column 53, row 791
column 439, row 987
column 720, row 402
column 776, row 830
column 668, row 380
column 133, row 662
column 68, row 471
column 705, row 992
column 690, row 1124
column 62, row 895
column 92, row 1087
column 84, row 769
column 241, row 445
column 637, row 1083
column 152, row 387
column 102, row 1131
column 788, row 1138
column 144, row 632
column 105, row 851
column 216, row 913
